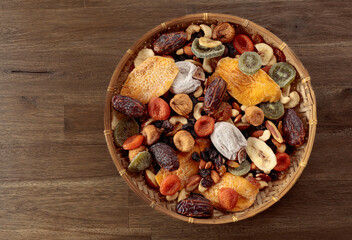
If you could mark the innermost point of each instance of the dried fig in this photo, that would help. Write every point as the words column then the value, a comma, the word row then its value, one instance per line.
column 224, row 32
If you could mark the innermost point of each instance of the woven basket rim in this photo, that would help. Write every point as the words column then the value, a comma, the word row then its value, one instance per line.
column 305, row 79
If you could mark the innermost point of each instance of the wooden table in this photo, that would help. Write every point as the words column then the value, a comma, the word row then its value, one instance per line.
column 57, row 180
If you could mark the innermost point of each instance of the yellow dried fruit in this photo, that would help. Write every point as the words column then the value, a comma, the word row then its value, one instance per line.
column 247, row 89
column 152, row 78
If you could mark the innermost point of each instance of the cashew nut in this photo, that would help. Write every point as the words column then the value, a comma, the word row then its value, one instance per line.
column 207, row 30
column 198, row 108
column 284, row 99
column 180, row 51
column 266, row 135
column 143, row 55
column 178, row 119
column 192, row 29
column 243, row 108
column 294, row 100
column 286, row 91
column 194, row 62
column 172, row 197
column 206, row 65
column 234, row 112
column 198, row 92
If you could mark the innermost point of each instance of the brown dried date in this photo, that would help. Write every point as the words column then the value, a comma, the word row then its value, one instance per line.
column 224, row 112
column 294, row 132
column 214, row 94
column 195, row 206
column 165, row 156
column 169, row 42
column 257, row 38
column 280, row 56
column 129, row 106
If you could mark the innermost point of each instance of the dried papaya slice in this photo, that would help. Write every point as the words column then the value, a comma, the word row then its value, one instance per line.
column 247, row 89
column 152, row 78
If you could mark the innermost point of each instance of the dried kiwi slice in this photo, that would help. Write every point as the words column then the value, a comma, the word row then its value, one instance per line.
column 241, row 170
column 282, row 73
column 140, row 162
column 125, row 128
column 273, row 110
column 203, row 52
column 249, row 63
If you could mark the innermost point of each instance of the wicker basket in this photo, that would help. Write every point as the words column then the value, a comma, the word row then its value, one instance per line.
column 306, row 110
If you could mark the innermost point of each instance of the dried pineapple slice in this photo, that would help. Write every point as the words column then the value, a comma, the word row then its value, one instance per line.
column 152, row 78
column 247, row 89
column 247, row 191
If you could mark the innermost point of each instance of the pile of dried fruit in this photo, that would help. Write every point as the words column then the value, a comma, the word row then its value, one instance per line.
column 207, row 115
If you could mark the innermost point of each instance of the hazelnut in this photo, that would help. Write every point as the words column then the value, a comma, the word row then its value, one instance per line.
column 151, row 134
column 224, row 32
column 134, row 152
column 181, row 104
column 184, row 141
column 254, row 115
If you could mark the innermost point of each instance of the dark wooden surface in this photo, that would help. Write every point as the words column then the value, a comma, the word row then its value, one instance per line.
column 57, row 180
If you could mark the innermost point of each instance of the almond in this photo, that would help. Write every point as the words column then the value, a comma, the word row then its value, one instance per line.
column 193, row 182
column 150, row 179
column 274, row 131
column 215, row 176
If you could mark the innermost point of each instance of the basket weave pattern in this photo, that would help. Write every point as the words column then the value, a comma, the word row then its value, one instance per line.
column 306, row 110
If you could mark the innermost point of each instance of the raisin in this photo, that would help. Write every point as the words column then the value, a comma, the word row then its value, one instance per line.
column 213, row 153
column 195, row 157
column 194, row 100
column 187, row 126
column 294, row 132
column 204, row 173
column 207, row 182
column 193, row 133
column 129, row 106
column 231, row 50
column 165, row 156
column 167, row 126
column 191, row 121
column 204, row 156
column 218, row 162
column 198, row 207
column 158, row 123
column 273, row 175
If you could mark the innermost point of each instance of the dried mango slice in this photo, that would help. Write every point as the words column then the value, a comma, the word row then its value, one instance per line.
column 247, row 191
column 188, row 167
column 247, row 89
column 152, row 78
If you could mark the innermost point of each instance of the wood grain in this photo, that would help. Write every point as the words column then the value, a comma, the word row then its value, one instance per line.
column 57, row 180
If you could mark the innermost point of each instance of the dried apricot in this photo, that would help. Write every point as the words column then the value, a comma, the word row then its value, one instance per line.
column 133, row 142
column 204, row 126
column 170, row 185
column 158, row 109
column 243, row 43
column 283, row 161
column 228, row 198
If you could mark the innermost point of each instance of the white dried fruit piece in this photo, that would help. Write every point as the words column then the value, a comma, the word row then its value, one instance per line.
column 198, row 92
column 265, row 136
column 192, row 29
column 272, row 61
column 227, row 139
column 207, row 30
column 208, row 43
column 265, row 52
column 207, row 66
column 184, row 82
column 197, row 110
column 294, row 100
column 142, row 56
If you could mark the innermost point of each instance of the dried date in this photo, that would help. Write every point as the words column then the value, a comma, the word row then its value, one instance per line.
column 129, row 106
column 257, row 38
column 294, row 132
column 169, row 42
column 165, row 156
column 280, row 56
column 214, row 94
column 195, row 206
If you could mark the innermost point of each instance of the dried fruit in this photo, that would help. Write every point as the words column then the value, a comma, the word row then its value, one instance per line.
column 249, row 63
column 152, row 78
column 181, row 104
column 280, row 56
column 261, row 154
column 208, row 43
column 257, row 38
column 198, row 207
column 124, row 129
column 132, row 153
column 273, row 110
column 158, row 109
column 205, row 183
column 254, row 115
column 165, row 156
column 224, row 32
column 195, row 156
column 282, row 73
column 204, row 172
column 202, row 52
column 169, row 42
column 228, row 198
column 243, row 43
column 199, row 74
column 227, row 139
column 149, row 177
column 248, row 90
column 184, row 81
column 140, row 162
column 188, row 50
column 283, row 161
column 274, row 131
column 224, row 112
column 204, row 126
column 142, row 56
column 133, row 142
column 266, row 52
column 151, row 134
column 170, row 185
column 214, row 94
column 184, row 141
column 294, row 132
column 129, row 106
column 241, row 170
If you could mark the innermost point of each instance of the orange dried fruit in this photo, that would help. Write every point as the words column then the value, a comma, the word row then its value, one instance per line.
column 247, row 89
column 170, row 185
column 228, row 198
column 133, row 142
column 152, row 78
